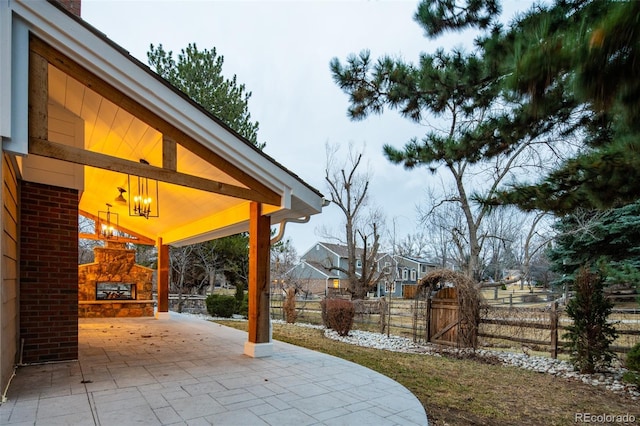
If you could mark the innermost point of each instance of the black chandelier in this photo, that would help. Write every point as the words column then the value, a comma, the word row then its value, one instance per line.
column 108, row 223
column 143, row 196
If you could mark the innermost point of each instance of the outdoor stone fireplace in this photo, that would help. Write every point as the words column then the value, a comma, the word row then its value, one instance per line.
column 113, row 285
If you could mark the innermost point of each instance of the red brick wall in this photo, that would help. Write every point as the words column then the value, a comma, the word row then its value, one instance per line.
column 72, row 6
column 48, row 272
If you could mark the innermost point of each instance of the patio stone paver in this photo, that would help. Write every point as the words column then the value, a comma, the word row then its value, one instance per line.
column 186, row 371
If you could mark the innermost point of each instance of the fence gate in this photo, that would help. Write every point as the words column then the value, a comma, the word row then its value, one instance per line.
column 444, row 317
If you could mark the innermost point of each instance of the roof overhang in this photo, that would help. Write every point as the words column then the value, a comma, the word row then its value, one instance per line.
column 107, row 111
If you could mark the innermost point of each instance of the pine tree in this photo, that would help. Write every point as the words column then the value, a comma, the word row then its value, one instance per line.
column 591, row 333
column 565, row 70
column 590, row 50
column 467, row 90
column 198, row 73
column 609, row 239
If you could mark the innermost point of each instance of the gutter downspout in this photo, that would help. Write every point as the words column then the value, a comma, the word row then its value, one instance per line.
column 305, row 219
column 283, row 224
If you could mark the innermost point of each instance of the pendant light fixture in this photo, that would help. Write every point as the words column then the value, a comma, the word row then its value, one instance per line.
column 143, row 196
column 108, row 223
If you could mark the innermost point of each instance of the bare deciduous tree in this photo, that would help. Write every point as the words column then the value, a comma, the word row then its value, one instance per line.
column 85, row 247
column 349, row 191
column 210, row 261
column 179, row 259
column 283, row 259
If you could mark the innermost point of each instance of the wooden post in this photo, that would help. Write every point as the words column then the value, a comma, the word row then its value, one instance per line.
column 259, row 245
column 163, row 280
column 429, row 313
column 553, row 319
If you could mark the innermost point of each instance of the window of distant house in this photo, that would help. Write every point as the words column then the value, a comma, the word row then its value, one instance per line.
column 423, row 268
column 413, row 274
column 358, row 263
column 405, row 274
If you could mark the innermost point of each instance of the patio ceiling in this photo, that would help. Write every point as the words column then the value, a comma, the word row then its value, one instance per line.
column 113, row 131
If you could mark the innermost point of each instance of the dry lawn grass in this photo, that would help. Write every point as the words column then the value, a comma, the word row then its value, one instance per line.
column 468, row 391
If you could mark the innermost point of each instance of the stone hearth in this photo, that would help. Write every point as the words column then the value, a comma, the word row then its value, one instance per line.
column 115, row 271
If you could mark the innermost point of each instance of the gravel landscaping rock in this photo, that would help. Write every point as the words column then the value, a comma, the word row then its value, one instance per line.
column 610, row 379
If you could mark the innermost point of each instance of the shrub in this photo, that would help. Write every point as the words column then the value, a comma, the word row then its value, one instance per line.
column 244, row 306
column 239, row 295
column 631, row 377
column 383, row 314
column 289, row 306
column 632, row 361
column 220, row 305
column 591, row 333
column 338, row 315
column 323, row 312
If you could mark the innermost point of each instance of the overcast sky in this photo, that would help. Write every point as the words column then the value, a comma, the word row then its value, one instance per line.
column 281, row 51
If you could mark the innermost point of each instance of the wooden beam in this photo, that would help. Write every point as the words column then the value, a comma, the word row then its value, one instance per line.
column 259, row 238
column 76, row 155
column 119, row 239
column 71, row 68
column 169, row 154
column 135, row 237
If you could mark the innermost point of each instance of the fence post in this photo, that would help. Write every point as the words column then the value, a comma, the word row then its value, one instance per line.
column 495, row 293
column 428, row 326
column 389, row 316
column 553, row 319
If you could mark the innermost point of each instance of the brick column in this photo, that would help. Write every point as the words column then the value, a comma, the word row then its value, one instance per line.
column 48, row 272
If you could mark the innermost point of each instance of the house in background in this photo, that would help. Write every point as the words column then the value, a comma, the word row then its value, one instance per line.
column 317, row 271
column 408, row 271
column 314, row 272
column 313, row 279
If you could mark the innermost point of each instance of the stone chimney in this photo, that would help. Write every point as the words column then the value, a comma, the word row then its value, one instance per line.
column 72, row 6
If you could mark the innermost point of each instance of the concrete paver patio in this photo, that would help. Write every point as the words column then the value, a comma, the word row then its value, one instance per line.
column 186, row 371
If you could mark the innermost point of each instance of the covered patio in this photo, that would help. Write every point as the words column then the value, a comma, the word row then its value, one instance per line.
column 189, row 371
column 85, row 128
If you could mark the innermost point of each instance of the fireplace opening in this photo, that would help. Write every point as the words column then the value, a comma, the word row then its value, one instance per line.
column 115, row 291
